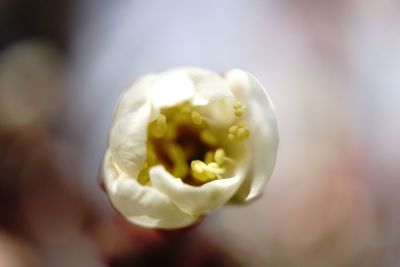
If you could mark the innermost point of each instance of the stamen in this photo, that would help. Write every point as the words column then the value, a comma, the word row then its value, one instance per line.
column 196, row 117
column 178, row 157
column 186, row 122
column 209, row 157
column 205, row 172
column 185, row 108
column 219, row 156
column 158, row 127
column 181, row 114
column 239, row 109
column 238, row 132
column 208, row 137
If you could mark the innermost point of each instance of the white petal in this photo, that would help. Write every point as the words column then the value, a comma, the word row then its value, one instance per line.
column 213, row 96
column 135, row 95
column 197, row 85
column 195, row 199
column 209, row 86
column 171, row 88
column 128, row 137
column 142, row 205
column 264, row 137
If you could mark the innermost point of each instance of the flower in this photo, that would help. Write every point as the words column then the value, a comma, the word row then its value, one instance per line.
column 187, row 141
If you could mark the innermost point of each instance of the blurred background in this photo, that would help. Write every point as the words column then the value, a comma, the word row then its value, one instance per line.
column 332, row 69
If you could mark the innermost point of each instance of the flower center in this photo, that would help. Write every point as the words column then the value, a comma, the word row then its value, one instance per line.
column 190, row 146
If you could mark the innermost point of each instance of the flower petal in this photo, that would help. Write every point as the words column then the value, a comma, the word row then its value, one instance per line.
column 171, row 88
column 135, row 95
column 212, row 97
column 128, row 138
column 264, row 137
column 209, row 87
column 195, row 199
column 142, row 205
column 219, row 112
column 182, row 84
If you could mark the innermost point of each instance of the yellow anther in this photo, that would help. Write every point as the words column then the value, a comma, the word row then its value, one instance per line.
column 238, row 113
column 238, row 132
column 196, row 117
column 180, row 114
column 185, row 124
column 158, row 127
column 209, row 157
column 185, row 108
column 205, row 172
column 233, row 128
column 197, row 166
column 180, row 117
column 208, row 137
column 239, row 109
column 241, row 132
column 219, row 156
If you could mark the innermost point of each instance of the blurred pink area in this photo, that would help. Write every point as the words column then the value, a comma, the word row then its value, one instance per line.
column 332, row 70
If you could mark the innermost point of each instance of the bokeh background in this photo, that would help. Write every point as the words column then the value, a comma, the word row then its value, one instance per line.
column 331, row 67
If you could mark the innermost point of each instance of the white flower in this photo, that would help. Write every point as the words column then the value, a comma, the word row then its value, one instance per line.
column 185, row 142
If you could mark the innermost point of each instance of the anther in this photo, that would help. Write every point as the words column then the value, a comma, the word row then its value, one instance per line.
column 185, row 108
column 219, row 156
column 196, row 117
column 197, row 166
column 209, row 157
column 205, row 172
column 158, row 127
column 239, row 109
column 238, row 132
